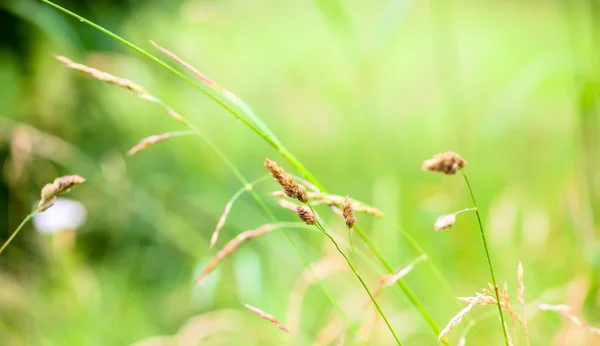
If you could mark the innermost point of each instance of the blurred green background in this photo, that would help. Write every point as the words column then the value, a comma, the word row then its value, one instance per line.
column 361, row 92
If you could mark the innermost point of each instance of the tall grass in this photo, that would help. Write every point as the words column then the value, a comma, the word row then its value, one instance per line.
column 241, row 111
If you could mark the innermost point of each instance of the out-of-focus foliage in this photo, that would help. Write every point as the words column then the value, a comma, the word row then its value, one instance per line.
column 362, row 92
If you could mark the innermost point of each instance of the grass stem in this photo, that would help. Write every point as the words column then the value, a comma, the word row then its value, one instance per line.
column 14, row 234
column 353, row 268
column 489, row 260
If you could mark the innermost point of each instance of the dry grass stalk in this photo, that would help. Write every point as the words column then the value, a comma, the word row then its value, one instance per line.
column 258, row 312
column 565, row 310
column 521, row 298
column 233, row 245
column 391, row 279
column 57, row 187
column 103, row 76
column 447, row 163
column 209, row 82
column 318, row 198
column 348, row 212
column 290, row 186
column 444, row 222
column 487, row 298
column 306, row 215
column 459, row 317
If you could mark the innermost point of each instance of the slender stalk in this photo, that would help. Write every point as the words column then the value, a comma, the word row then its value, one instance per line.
column 14, row 234
column 322, row 229
column 267, row 136
column 489, row 260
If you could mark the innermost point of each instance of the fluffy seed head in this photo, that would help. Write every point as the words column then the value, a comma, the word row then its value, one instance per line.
column 447, row 163
column 348, row 212
column 444, row 222
column 306, row 215
column 290, row 186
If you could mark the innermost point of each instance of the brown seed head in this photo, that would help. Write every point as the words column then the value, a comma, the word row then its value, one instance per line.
column 290, row 186
column 447, row 163
column 306, row 215
column 58, row 187
column 348, row 212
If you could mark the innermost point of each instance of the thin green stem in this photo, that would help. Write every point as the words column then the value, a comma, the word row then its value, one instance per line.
column 489, row 260
column 381, row 313
column 14, row 234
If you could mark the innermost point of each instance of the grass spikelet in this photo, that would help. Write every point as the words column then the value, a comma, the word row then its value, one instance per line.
column 58, row 187
column 151, row 140
column 306, row 215
column 234, row 244
column 565, row 310
column 258, row 312
column 348, row 213
column 447, row 163
column 459, row 317
column 103, row 76
column 290, row 186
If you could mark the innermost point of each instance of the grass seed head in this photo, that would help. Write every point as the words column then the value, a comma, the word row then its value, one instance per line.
column 447, row 163
column 348, row 212
column 306, row 215
column 290, row 186
column 57, row 187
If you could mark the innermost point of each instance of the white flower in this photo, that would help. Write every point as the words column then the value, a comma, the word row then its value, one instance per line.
column 65, row 214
